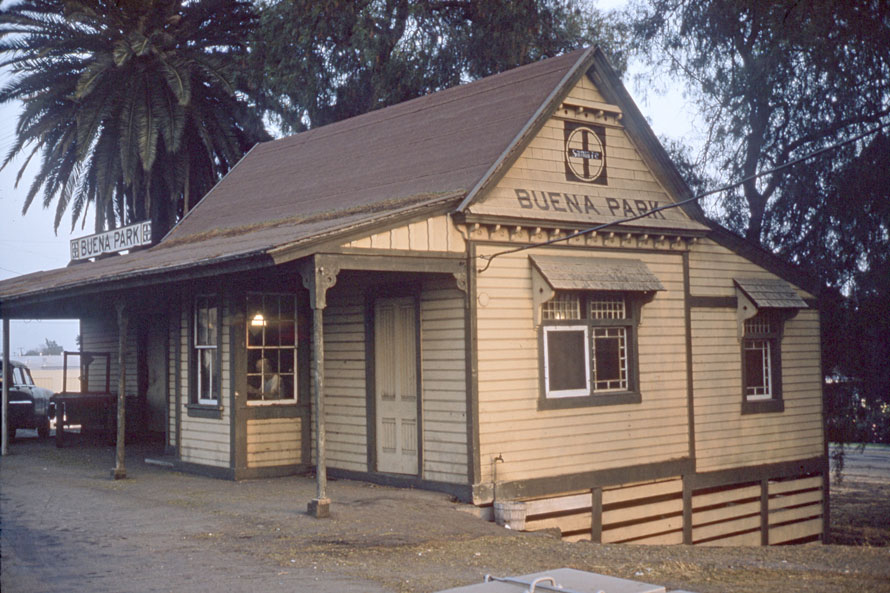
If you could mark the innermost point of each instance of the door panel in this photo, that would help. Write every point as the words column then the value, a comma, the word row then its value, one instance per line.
column 395, row 374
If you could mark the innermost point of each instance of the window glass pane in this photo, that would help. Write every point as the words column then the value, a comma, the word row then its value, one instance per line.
column 211, row 323
column 253, row 386
column 757, row 368
column 205, row 321
column 759, row 324
column 272, row 332
column 286, row 358
column 206, row 377
column 271, row 347
column 287, row 387
column 609, row 359
column 271, row 385
column 607, row 307
column 562, row 306
column 200, row 324
column 566, row 360
column 287, row 332
column 256, row 320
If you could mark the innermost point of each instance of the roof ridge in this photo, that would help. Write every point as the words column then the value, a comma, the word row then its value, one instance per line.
column 401, row 109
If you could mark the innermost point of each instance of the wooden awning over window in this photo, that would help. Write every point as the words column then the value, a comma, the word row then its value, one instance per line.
column 770, row 293
column 594, row 273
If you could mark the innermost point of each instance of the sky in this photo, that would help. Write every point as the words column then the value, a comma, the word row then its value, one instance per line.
column 29, row 244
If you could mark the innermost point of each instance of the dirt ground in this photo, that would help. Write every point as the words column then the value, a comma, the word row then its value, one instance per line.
column 67, row 527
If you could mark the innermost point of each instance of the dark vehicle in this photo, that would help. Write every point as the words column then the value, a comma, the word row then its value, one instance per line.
column 29, row 405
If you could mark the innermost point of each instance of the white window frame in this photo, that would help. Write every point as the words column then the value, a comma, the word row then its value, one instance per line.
column 751, row 342
column 567, row 392
column 623, row 361
column 201, row 349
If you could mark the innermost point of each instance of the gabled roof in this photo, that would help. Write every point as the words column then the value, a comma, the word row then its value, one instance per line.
column 438, row 144
column 420, row 155
column 285, row 198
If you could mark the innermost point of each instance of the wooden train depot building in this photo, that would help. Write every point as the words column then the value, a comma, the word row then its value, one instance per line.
column 398, row 298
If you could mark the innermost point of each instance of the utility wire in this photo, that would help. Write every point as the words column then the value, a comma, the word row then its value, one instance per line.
column 489, row 258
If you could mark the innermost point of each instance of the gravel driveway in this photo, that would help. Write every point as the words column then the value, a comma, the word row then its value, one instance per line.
column 67, row 527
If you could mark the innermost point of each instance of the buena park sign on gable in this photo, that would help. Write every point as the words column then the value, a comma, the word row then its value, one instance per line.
column 128, row 237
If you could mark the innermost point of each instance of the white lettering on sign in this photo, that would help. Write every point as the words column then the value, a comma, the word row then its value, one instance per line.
column 128, row 237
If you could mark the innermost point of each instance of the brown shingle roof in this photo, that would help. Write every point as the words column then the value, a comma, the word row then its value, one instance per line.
column 596, row 273
column 771, row 293
column 443, row 142
column 423, row 153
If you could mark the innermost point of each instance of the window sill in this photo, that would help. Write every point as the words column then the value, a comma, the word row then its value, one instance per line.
column 762, row 406
column 589, row 401
column 204, row 411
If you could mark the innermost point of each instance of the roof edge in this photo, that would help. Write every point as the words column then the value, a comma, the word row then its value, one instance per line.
column 210, row 191
column 793, row 273
column 531, row 127
column 653, row 153
column 290, row 251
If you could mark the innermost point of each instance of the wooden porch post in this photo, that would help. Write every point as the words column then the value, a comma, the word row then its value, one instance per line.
column 318, row 276
column 7, row 377
column 119, row 472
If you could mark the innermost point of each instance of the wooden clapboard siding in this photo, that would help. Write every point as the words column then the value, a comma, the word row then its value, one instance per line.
column 795, row 509
column 727, row 516
column 541, row 167
column 345, row 384
column 99, row 334
column 273, row 442
column 724, row 437
column 443, row 372
column 643, row 513
column 205, row 441
column 571, row 514
column 436, row 233
column 174, row 321
column 540, row 443
column 712, row 268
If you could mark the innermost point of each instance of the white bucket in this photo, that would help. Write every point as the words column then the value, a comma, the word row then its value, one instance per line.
column 510, row 513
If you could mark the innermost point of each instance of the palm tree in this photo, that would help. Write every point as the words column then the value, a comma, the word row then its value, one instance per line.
column 132, row 104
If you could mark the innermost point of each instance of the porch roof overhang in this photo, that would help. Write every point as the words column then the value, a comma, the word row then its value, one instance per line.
column 595, row 273
column 770, row 293
column 64, row 292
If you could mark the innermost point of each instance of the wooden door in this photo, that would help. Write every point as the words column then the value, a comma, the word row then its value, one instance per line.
column 395, row 379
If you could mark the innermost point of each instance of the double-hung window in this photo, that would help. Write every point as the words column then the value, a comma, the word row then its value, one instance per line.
column 206, row 338
column 271, row 348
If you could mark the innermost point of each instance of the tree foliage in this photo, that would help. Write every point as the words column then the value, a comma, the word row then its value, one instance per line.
column 132, row 105
column 776, row 81
column 315, row 62
column 49, row 348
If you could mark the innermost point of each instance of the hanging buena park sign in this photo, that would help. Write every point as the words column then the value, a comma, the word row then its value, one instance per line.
column 113, row 241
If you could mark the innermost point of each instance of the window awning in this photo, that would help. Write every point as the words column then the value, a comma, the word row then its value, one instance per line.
column 594, row 273
column 770, row 293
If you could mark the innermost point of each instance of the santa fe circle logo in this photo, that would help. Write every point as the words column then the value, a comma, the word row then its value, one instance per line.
column 584, row 154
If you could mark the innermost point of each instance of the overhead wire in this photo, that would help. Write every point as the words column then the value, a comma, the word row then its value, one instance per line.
column 489, row 258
